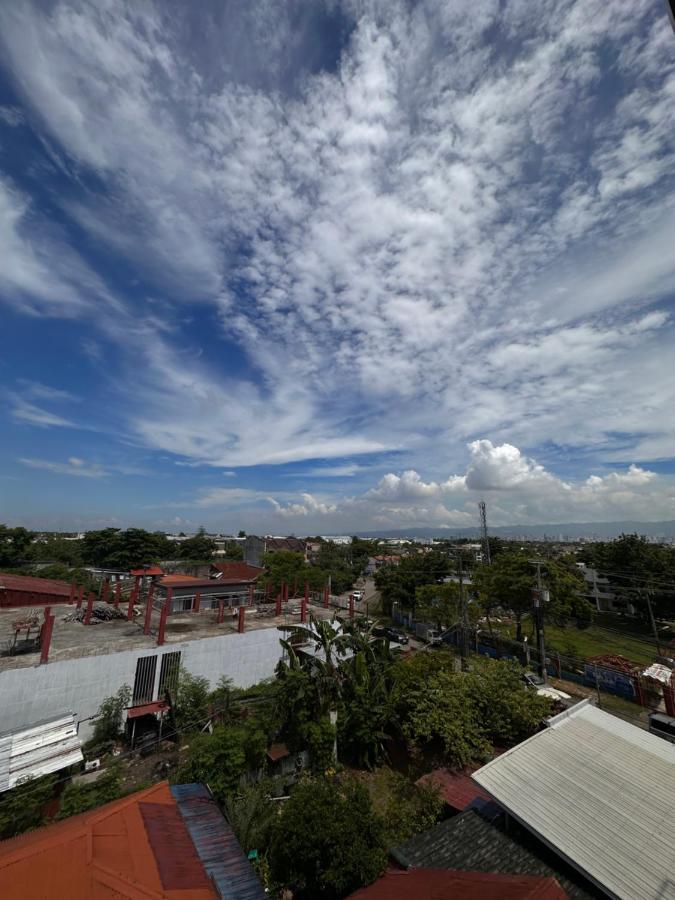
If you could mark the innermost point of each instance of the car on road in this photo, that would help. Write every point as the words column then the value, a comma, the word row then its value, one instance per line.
column 357, row 595
column 395, row 635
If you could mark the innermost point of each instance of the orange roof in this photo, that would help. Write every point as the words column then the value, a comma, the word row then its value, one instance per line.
column 183, row 579
column 34, row 585
column 116, row 851
column 451, row 884
column 239, row 570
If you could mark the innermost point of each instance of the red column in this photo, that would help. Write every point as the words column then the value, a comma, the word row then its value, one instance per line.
column 241, row 624
column 46, row 635
column 221, row 611
column 80, row 596
column 669, row 696
column 118, row 594
column 351, row 606
column 73, row 588
column 197, row 602
column 162, row 619
column 303, row 609
column 106, row 590
column 90, row 606
column 277, row 610
column 326, row 597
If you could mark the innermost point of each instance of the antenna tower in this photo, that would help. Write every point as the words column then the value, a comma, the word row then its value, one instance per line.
column 484, row 531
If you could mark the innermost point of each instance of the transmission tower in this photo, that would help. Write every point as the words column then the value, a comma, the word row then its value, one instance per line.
column 484, row 531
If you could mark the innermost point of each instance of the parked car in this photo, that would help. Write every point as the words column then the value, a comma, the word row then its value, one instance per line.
column 357, row 595
column 391, row 634
column 663, row 726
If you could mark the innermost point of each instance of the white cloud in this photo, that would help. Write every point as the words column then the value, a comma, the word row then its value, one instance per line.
column 438, row 240
column 74, row 466
column 309, row 505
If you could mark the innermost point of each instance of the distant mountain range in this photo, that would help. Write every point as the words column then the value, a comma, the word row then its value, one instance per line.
column 553, row 531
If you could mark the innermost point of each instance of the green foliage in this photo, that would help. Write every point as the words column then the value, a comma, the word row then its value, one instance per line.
column 198, row 547
column 108, row 725
column 398, row 584
column 293, row 570
column 116, row 549
column 14, row 545
column 79, row 798
column 327, row 842
column 234, row 551
column 190, row 701
column 344, row 562
column 406, row 808
column 21, row 807
column 320, row 742
column 57, row 549
column 217, row 759
column 251, row 813
column 636, row 568
column 63, row 572
column 439, row 603
column 367, row 713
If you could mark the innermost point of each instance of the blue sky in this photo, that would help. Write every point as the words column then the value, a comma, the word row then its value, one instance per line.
column 320, row 267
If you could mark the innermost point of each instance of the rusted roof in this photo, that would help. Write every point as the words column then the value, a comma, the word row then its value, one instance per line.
column 457, row 788
column 33, row 585
column 277, row 752
column 140, row 846
column 237, row 571
column 147, row 570
column 450, row 884
column 216, row 844
column 186, row 581
column 144, row 709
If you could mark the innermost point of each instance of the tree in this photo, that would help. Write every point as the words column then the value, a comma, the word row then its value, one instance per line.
column 56, row 549
column 220, row 759
column 79, row 798
column 241, row 534
column 398, row 584
column 327, row 841
column 251, row 813
column 199, row 547
column 109, row 718
column 439, row 603
column 292, row 569
column 190, row 701
column 21, row 808
column 14, row 545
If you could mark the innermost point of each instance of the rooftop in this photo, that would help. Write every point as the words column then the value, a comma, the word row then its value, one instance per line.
column 469, row 843
column 450, row 884
column 71, row 639
column 33, row 585
column 162, row 842
column 457, row 788
column 601, row 792
column 238, row 570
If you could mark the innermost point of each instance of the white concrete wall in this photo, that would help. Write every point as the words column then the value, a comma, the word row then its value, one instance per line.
column 28, row 695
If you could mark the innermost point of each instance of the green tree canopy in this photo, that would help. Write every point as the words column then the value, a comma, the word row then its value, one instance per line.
column 14, row 545
column 200, row 547
column 327, row 841
column 399, row 583
column 116, row 549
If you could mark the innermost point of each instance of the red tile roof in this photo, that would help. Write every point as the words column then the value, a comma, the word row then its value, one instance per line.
column 135, row 847
column 451, row 884
column 171, row 580
column 32, row 585
column 240, row 571
column 457, row 788
column 277, row 752
column 146, row 570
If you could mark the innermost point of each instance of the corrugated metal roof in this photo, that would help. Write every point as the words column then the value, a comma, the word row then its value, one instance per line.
column 601, row 792
column 33, row 585
column 216, row 844
column 41, row 749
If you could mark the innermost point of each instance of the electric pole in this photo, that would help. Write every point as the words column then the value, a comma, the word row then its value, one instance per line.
column 484, row 532
column 540, row 596
column 464, row 626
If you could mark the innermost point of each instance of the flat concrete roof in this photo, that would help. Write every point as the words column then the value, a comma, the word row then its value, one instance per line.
column 72, row 639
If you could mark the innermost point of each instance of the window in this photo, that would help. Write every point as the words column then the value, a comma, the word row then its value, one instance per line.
column 168, row 673
column 144, row 683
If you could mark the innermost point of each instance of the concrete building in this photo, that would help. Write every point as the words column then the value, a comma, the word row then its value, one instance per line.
column 255, row 547
column 600, row 593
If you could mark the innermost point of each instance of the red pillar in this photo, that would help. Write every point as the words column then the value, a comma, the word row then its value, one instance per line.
column 277, row 610
column 669, row 696
column 221, row 611
column 162, row 619
column 351, row 606
column 90, row 606
column 326, row 597
column 46, row 635
column 241, row 624
column 73, row 589
column 118, row 594
column 197, row 602
column 80, row 596
column 303, row 609
column 106, row 590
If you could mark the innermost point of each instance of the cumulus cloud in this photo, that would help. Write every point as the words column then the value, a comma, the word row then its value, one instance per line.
column 73, row 466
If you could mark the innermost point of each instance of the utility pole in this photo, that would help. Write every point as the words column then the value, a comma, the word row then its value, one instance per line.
column 652, row 620
column 484, row 532
column 464, row 626
column 540, row 596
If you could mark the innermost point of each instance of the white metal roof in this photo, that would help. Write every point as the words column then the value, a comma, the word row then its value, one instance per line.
column 40, row 749
column 601, row 792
